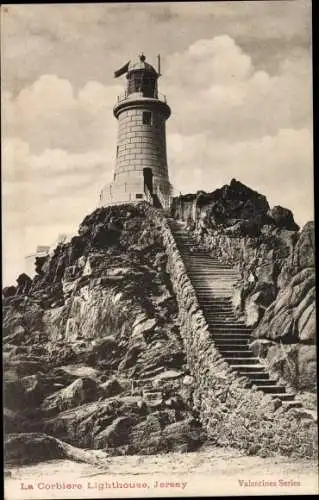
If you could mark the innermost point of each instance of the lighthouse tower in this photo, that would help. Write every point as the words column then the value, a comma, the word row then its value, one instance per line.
column 141, row 163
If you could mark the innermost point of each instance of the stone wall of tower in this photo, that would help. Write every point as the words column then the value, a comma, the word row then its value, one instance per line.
column 141, row 145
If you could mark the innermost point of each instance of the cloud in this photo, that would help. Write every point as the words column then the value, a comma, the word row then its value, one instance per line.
column 48, row 39
column 46, row 194
column 213, row 79
column 50, row 114
column 53, row 174
column 217, row 82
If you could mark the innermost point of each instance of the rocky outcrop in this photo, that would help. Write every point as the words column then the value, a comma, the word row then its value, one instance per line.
column 110, row 336
column 295, row 364
column 31, row 448
column 226, row 206
column 88, row 344
column 291, row 317
column 283, row 218
column 276, row 292
column 230, row 413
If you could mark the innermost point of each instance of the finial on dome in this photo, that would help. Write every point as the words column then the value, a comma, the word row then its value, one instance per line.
column 142, row 57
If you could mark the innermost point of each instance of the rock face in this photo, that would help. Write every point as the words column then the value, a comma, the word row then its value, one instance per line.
column 291, row 317
column 283, row 218
column 31, row 448
column 88, row 340
column 232, row 414
column 276, row 293
column 108, row 349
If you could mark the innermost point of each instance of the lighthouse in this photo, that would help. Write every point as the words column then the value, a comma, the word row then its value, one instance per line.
column 141, row 171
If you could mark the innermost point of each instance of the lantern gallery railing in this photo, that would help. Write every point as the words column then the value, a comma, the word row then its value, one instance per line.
column 126, row 95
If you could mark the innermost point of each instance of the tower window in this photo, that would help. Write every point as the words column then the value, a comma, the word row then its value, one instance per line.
column 117, row 151
column 139, row 195
column 147, row 118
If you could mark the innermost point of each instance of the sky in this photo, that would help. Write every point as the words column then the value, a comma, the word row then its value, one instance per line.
column 237, row 76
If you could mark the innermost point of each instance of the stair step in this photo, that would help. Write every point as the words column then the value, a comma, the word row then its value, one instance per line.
column 224, row 343
column 271, row 389
column 244, row 369
column 210, row 309
column 239, row 354
column 292, row 404
column 216, row 329
column 231, row 327
column 263, row 381
column 207, row 267
column 198, row 273
column 228, row 331
column 224, row 301
column 209, row 292
column 252, row 373
column 234, row 348
column 214, row 273
column 219, row 318
column 229, row 343
column 231, row 335
column 247, row 361
column 207, row 281
column 286, row 397
column 216, row 305
column 204, row 259
column 219, row 315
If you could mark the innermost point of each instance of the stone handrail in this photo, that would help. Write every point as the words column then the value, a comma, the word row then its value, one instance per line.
column 161, row 197
column 231, row 413
column 148, row 195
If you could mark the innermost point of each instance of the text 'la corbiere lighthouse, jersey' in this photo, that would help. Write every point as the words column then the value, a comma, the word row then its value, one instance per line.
column 141, row 162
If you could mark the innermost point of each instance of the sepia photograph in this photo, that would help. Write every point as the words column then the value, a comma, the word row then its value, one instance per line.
column 158, row 250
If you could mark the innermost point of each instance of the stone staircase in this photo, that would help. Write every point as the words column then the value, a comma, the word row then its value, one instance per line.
column 213, row 282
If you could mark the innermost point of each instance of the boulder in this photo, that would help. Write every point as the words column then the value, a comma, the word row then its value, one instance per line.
column 260, row 347
column 79, row 425
column 111, row 388
column 296, row 364
column 291, row 317
column 24, row 284
column 144, row 327
column 23, row 368
column 304, row 253
column 186, row 434
column 130, row 357
column 27, row 448
column 116, row 434
column 14, row 423
column 9, row 291
column 82, row 390
column 12, row 320
column 28, row 392
column 283, row 218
